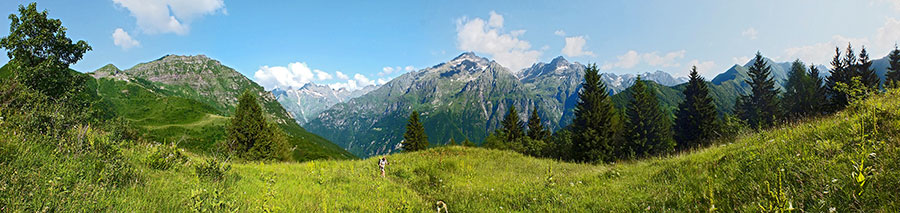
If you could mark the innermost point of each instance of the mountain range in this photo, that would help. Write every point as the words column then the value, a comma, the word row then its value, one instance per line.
column 466, row 97
column 306, row 102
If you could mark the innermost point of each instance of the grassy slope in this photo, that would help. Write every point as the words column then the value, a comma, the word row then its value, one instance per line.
column 194, row 125
column 815, row 161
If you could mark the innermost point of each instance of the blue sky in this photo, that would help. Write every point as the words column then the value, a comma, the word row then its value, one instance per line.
column 288, row 43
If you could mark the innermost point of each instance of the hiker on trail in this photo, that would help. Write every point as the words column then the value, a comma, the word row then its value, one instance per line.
column 381, row 163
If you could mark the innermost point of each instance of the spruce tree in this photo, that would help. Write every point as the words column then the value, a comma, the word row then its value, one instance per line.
column 817, row 86
column 468, row 143
column 696, row 115
column 760, row 108
column 415, row 139
column 840, row 72
column 798, row 92
column 452, row 142
column 250, row 136
column 864, row 70
column 593, row 132
column 646, row 126
column 893, row 73
column 511, row 128
column 536, row 130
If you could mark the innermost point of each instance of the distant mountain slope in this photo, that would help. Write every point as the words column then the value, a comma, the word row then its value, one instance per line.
column 465, row 97
column 205, row 90
column 305, row 103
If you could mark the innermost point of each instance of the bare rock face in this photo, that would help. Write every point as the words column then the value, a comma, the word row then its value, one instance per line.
column 305, row 103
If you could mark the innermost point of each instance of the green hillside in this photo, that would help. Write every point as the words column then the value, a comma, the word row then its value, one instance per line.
column 846, row 162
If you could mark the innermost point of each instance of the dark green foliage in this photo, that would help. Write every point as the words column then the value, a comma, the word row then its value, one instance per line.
column 536, row 129
column 560, row 146
column 695, row 119
column 840, row 72
column 647, row 130
column 803, row 92
column 250, row 136
column 760, row 108
column 452, row 142
column 865, row 72
column 893, row 73
column 511, row 128
column 41, row 53
column 593, row 130
column 415, row 139
column 819, row 92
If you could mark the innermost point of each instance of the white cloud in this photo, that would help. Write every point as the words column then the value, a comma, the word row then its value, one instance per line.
column 740, row 60
column 320, row 75
column 383, row 81
column 560, row 33
column 362, row 80
column 169, row 16
column 341, row 75
column 575, row 47
column 409, row 68
column 488, row 37
column 632, row 58
column 358, row 82
column 821, row 53
column 123, row 40
column 750, row 33
column 386, row 71
column 389, row 70
column 705, row 68
column 295, row 75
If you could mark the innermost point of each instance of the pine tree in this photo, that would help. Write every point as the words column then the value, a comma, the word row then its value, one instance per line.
column 760, row 108
column 452, row 142
column 512, row 127
column 798, row 92
column 817, row 86
column 696, row 115
column 865, row 72
column 646, row 126
column 840, row 72
column 250, row 136
column 536, row 130
column 414, row 139
column 893, row 73
column 593, row 130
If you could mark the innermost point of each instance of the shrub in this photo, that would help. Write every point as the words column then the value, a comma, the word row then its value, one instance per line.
column 212, row 169
column 165, row 156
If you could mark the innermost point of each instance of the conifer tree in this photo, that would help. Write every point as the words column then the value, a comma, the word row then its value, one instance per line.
column 536, row 130
column 840, row 73
column 646, row 126
column 760, row 108
column 593, row 132
column 864, row 70
column 817, row 85
column 511, row 128
column 452, row 142
column 893, row 73
column 414, row 139
column 250, row 136
column 696, row 115
column 798, row 92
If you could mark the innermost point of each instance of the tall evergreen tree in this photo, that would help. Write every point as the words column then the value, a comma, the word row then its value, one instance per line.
column 415, row 139
column 864, row 70
column 696, row 115
column 594, row 134
column 512, row 127
column 798, row 92
column 646, row 126
column 250, row 136
column 818, row 87
column 760, row 108
column 536, row 130
column 893, row 74
column 468, row 143
column 452, row 142
column 840, row 72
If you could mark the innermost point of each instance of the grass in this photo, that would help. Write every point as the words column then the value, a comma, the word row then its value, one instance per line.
column 846, row 162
